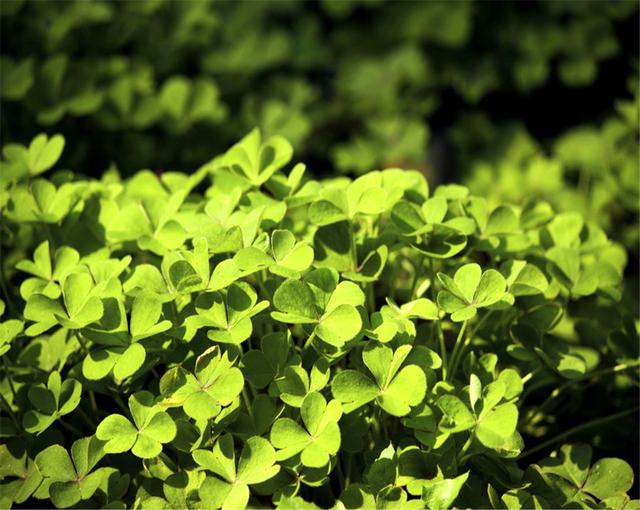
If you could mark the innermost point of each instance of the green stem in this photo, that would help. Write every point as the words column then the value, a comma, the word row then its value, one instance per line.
column 245, row 399
column 437, row 326
column 6, row 369
column 309, row 340
column 70, row 428
column 92, row 401
column 87, row 419
column 592, row 375
column 579, row 428
column 456, row 349
column 347, row 477
column 120, row 403
column 462, row 457
column 528, row 377
column 10, row 411
column 7, row 299
column 340, row 475
column 480, row 323
column 371, row 300
column 382, row 423
column 418, row 269
column 354, row 247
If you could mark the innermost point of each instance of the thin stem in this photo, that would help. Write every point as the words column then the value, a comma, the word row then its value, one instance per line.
column 340, row 475
column 70, row 428
column 480, row 323
column 245, row 399
column 354, row 247
column 309, row 340
column 579, row 428
column 437, row 326
column 347, row 475
column 7, row 299
column 418, row 269
column 87, row 419
column 371, row 300
column 6, row 369
column 462, row 457
column 456, row 349
column 120, row 403
column 92, row 401
column 591, row 375
column 528, row 377
column 10, row 411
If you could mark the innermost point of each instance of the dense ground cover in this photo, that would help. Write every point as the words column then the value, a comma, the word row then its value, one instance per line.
column 440, row 309
column 245, row 335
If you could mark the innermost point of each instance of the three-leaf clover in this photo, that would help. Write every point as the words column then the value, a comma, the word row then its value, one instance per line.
column 228, row 315
column 255, row 160
column 492, row 414
column 426, row 228
column 47, row 272
column 317, row 440
column 20, row 474
column 151, row 428
column 290, row 257
column 319, row 300
column 571, row 472
column 215, row 383
column 399, row 384
column 69, row 478
column 230, row 488
column 125, row 354
column 470, row 289
column 56, row 399
column 81, row 306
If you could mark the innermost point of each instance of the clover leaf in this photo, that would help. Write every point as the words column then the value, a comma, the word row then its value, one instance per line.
column 51, row 402
column 228, row 315
column 262, row 366
column 47, row 273
column 215, row 383
column 493, row 423
column 332, row 309
column 295, row 383
column 80, row 307
column 397, row 387
column 607, row 478
column 318, row 440
column 69, row 478
column 44, row 152
column 229, row 489
column 291, row 258
column 396, row 321
column 256, row 160
column 425, row 227
column 19, row 472
column 470, row 289
column 151, row 428
column 125, row 355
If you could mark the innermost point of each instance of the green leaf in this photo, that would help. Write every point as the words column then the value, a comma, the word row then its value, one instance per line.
column 497, row 426
column 319, row 441
column 441, row 494
column 295, row 298
column 44, row 152
column 609, row 477
column 118, row 432
column 456, row 416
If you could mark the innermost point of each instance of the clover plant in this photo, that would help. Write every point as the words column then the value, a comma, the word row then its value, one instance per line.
column 247, row 336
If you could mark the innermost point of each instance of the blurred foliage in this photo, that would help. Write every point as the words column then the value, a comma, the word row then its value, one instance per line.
column 153, row 82
column 592, row 168
column 354, row 85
